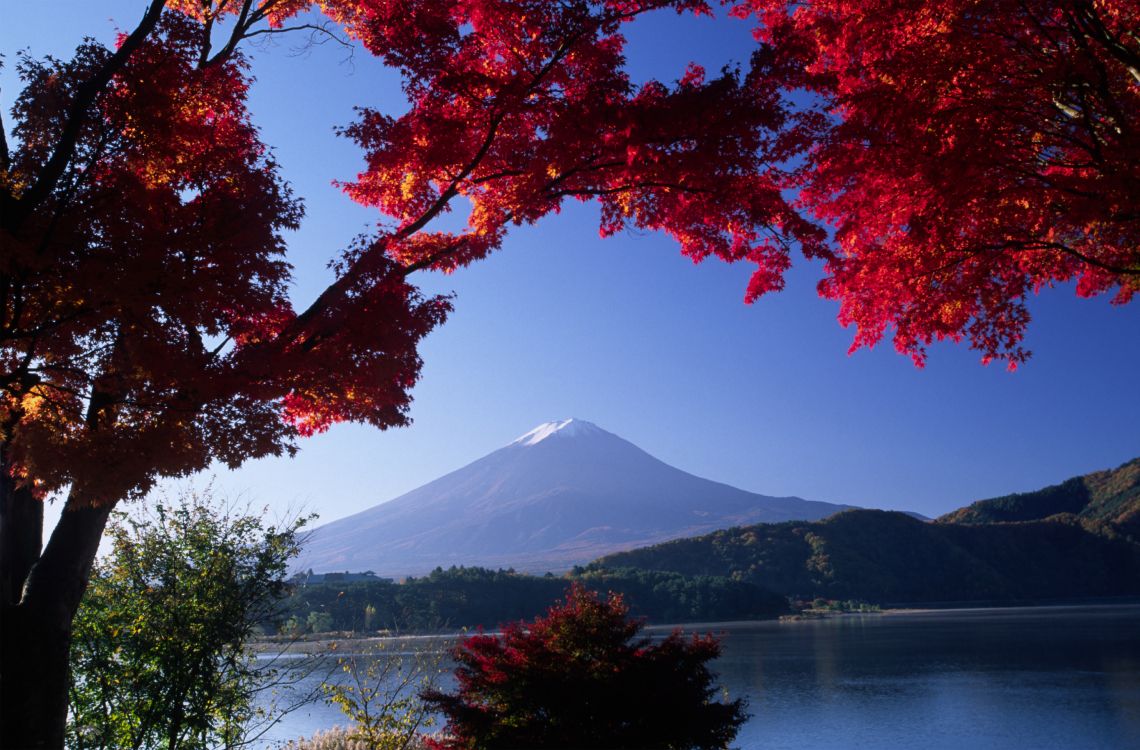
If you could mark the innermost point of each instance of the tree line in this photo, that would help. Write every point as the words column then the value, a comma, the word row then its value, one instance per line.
column 891, row 558
column 471, row 597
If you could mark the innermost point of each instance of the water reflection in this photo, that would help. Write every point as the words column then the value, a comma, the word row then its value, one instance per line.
column 1057, row 678
column 1004, row 679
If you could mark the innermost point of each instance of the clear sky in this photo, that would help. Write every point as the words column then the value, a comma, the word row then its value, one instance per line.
column 628, row 334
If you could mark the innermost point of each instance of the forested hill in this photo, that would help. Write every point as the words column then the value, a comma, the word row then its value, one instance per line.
column 1112, row 496
column 887, row 557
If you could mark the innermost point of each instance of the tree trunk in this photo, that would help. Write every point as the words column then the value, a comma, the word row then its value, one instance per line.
column 34, row 659
column 35, row 632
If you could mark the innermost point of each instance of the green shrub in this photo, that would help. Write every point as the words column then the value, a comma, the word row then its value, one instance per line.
column 160, row 647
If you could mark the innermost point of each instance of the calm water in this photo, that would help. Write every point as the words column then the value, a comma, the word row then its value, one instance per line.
column 995, row 679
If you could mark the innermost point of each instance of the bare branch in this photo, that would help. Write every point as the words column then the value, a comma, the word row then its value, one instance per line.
column 248, row 17
column 319, row 34
column 239, row 30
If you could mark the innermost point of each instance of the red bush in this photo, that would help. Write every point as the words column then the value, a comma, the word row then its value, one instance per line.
column 582, row 676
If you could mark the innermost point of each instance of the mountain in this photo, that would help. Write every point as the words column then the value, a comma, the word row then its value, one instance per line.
column 1074, row 540
column 562, row 494
column 1111, row 496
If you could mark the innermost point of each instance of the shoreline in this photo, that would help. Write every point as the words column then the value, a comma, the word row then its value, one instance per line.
column 329, row 643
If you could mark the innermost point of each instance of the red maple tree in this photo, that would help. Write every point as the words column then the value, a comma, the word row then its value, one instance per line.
column 967, row 156
column 582, row 676
column 145, row 329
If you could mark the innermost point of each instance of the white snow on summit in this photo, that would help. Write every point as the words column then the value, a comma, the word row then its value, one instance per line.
column 564, row 428
column 565, row 493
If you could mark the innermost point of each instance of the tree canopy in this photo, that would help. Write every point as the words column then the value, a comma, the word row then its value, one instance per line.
column 460, row 598
column 581, row 676
column 162, row 649
column 967, row 155
column 965, row 160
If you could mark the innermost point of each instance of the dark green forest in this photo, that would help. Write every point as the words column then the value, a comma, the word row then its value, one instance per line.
column 1074, row 540
column 891, row 558
column 1111, row 496
column 476, row 597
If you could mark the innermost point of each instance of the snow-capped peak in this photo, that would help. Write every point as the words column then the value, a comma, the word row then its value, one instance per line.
column 563, row 428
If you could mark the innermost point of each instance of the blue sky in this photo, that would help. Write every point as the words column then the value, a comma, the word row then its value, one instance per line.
column 628, row 334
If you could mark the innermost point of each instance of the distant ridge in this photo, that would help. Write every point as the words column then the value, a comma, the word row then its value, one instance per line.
column 560, row 495
column 1070, row 541
column 1112, row 495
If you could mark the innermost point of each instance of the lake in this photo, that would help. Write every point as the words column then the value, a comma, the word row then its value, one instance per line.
column 984, row 679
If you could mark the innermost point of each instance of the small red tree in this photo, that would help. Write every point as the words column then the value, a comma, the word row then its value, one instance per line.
column 967, row 155
column 145, row 328
column 581, row 677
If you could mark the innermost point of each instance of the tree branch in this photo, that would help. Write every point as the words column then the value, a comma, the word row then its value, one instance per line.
column 241, row 26
column 21, row 527
column 1066, row 249
column 20, row 209
column 1027, row 246
column 247, row 18
column 315, row 28
column 57, row 581
column 340, row 287
column 207, row 41
column 1094, row 27
column 5, row 159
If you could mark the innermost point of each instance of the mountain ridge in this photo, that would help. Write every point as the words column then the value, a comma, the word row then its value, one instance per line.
column 1111, row 495
column 560, row 495
column 1076, row 539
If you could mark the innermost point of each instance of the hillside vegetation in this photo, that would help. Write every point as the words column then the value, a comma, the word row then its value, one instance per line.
column 1074, row 540
column 1111, row 496
column 473, row 597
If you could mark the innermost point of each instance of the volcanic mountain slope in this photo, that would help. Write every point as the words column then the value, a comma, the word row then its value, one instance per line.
column 560, row 495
